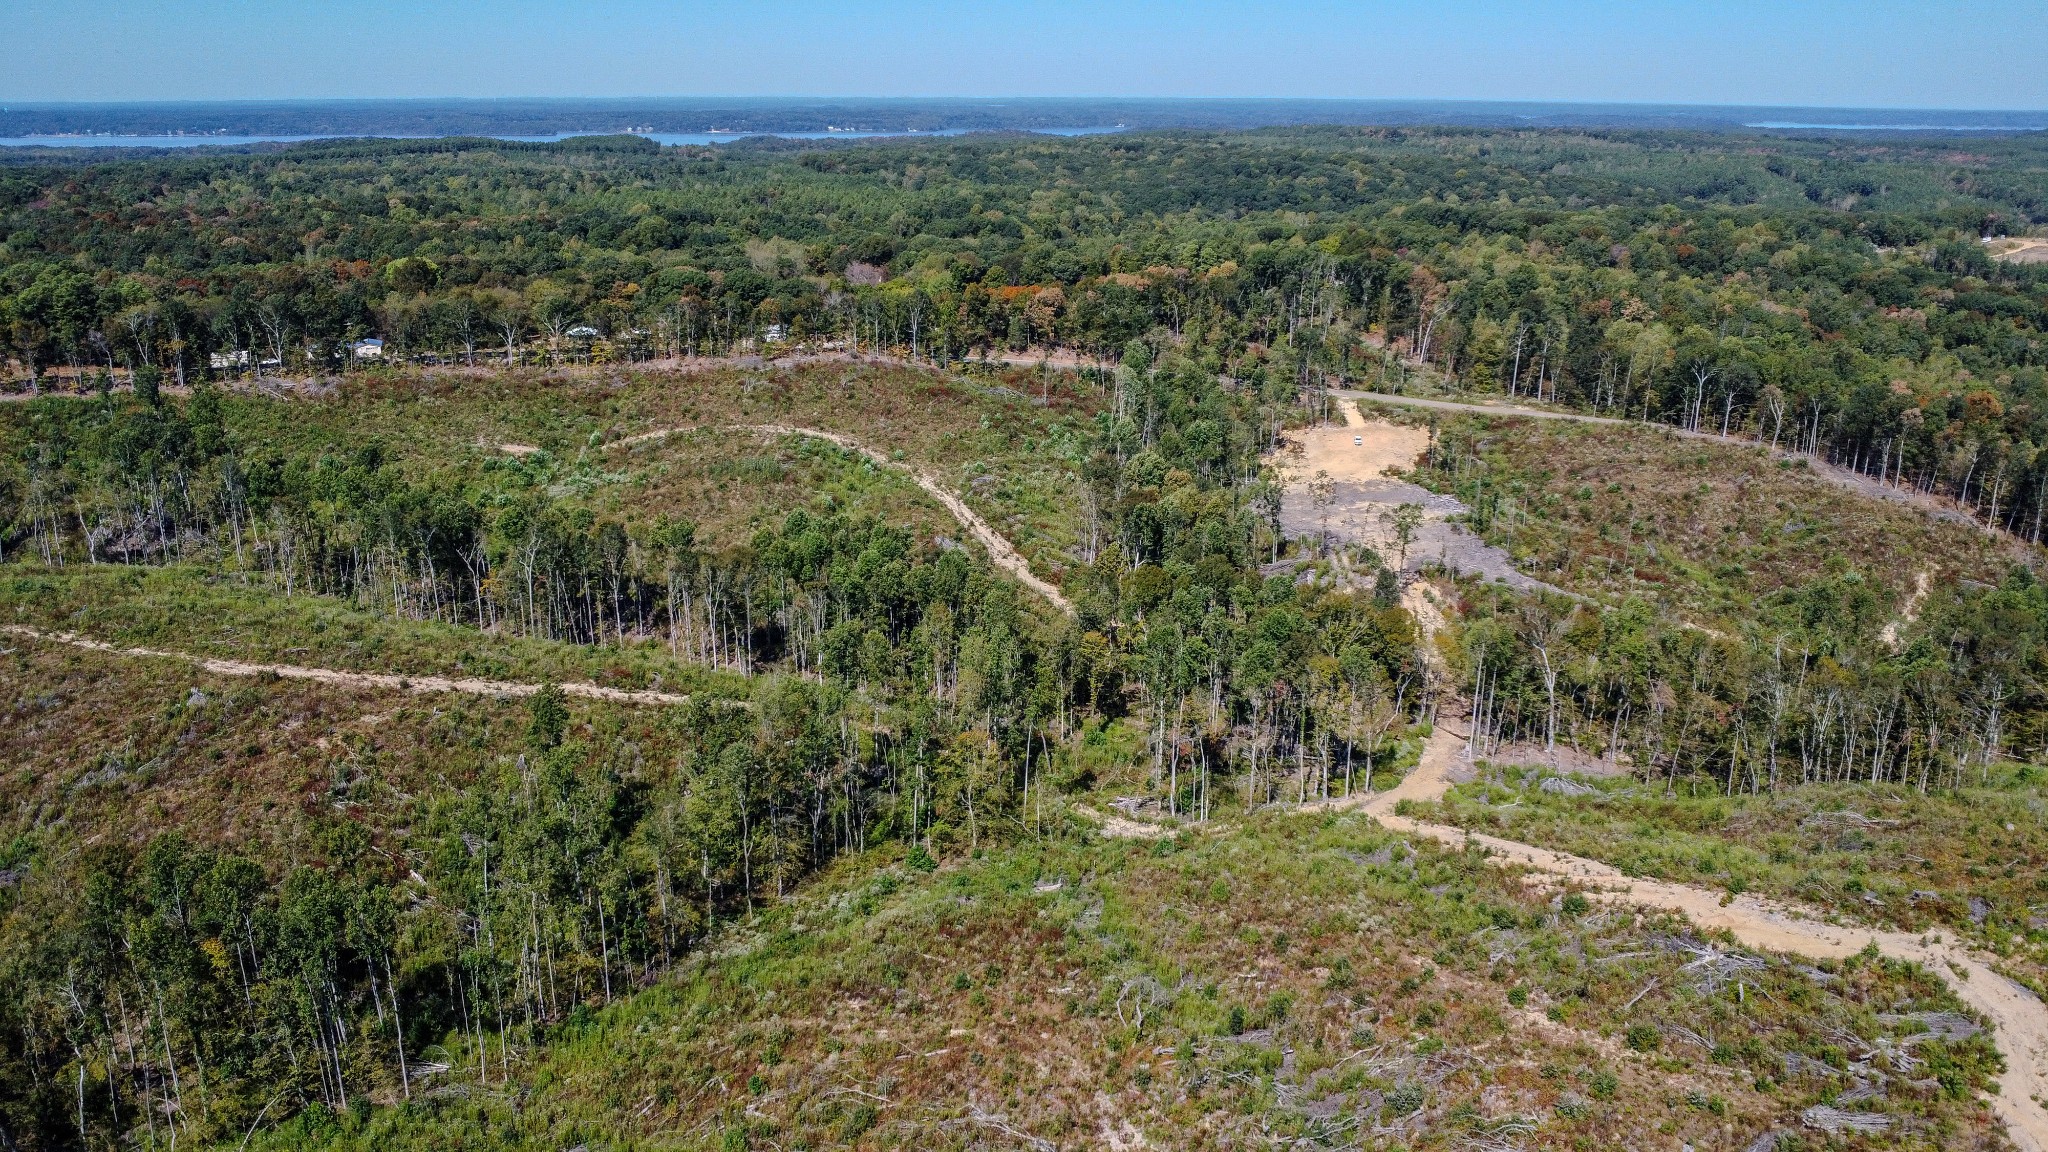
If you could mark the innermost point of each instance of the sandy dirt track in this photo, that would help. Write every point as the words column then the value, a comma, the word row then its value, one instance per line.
column 465, row 685
column 1000, row 551
column 2021, row 1019
column 2019, row 250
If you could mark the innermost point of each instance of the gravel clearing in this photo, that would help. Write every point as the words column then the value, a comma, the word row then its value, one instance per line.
column 1349, row 467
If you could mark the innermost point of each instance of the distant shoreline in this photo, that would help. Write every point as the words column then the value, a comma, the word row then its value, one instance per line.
column 674, row 139
column 187, row 123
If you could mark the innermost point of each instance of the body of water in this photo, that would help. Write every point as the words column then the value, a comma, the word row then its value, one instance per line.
column 201, row 141
column 1797, row 126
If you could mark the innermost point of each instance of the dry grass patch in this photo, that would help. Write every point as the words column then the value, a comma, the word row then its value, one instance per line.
column 1701, row 529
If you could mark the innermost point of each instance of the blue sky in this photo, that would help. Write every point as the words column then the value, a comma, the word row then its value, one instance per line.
column 1828, row 52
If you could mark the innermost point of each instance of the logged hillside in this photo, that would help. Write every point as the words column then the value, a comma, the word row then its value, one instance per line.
column 1710, row 531
column 1313, row 977
column 378, row 853
column 610, row 713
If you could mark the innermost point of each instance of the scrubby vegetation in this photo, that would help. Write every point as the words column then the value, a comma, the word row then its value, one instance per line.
column 835, row 896
column 1712, row 533
column 474, row 870
column 1316, row 978
column 1736, row 619
column 1964, row 860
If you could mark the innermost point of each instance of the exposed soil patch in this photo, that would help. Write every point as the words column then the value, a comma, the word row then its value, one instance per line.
column 1907, row 614
column 1361, row 450
column 1342, row 485
column 1563, row 758
column 2018, row 250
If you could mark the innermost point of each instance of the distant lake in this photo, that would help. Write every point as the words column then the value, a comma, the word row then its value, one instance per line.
column 1796, row 125
column 203, row 141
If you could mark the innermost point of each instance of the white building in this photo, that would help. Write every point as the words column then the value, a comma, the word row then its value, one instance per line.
column 371, row 349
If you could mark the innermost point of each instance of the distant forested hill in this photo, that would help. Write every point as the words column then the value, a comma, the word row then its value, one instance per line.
column 1829, row 294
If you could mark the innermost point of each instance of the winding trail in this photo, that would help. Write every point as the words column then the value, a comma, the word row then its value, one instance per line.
column 2020, row 1019
column 1000, row 551
column 1828, row 473
column 465, row 685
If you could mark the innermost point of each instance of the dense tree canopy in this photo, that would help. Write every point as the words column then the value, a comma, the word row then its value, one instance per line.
column 1831, row 296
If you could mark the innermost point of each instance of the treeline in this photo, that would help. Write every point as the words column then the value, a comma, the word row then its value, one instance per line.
column 1832, row 672
column 1177, row 522
column 1813, row 295
column 1816, row 692
column 1924, row 368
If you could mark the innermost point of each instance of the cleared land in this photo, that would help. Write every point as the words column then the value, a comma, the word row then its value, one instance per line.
column 2020, row 1015
column 2019, row 250
column 469, row 686
column 1707, row 531
column 189, row 609
column 1011, row 457
column 1311, row 977
column 1346, row 483
column 1852, row 480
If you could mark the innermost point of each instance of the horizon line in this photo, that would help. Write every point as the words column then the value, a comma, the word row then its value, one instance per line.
column 9, row 104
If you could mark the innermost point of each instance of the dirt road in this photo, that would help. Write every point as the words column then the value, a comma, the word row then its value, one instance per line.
column 465, row 685
column 2018, row 250
column 2021, row 1020
column 1000, row 551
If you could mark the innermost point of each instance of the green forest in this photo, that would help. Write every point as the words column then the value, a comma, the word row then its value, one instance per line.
column 1830, row 296
column 194, row 433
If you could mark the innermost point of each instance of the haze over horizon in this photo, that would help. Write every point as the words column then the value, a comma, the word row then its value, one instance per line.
column 1819, row 54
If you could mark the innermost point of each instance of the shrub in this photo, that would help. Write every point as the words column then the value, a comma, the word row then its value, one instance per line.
column 1404, row 1099
column 857, row 1122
